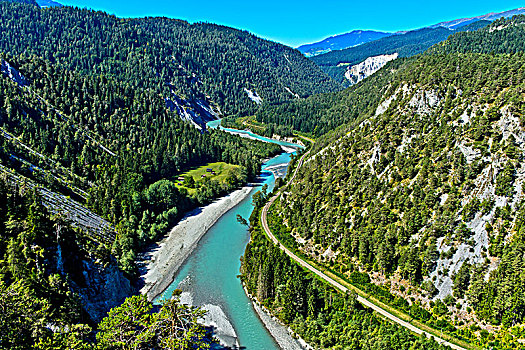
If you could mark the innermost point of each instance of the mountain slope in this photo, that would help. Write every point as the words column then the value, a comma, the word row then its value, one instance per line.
column 406, row 50
column 106, row 145
column 89, row 151
column 405, row 45
column 343, row 41
column 458, row 23
column 502, row 36
column 48, row 3
column 358, row 37
column 423, row 192
column 418, row 200
column 199, row 62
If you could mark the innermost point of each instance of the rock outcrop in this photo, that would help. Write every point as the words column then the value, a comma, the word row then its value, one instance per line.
column 365, row 69
column 105, row 288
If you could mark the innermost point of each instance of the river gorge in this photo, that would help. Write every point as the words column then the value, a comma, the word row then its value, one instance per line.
column 209, row 276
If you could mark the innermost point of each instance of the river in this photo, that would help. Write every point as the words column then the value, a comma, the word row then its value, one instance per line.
column 209, row 277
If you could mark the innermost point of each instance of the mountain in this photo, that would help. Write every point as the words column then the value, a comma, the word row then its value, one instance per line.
column 338, row 63
column 360, row 71
column 458, row 23
column 90, row 148
column 343, row 41
column 407, row 44
column 48, row 3
column 201, row 69
column 418, row 199
column 31, row 2
column 502, row 36
column 358, row 37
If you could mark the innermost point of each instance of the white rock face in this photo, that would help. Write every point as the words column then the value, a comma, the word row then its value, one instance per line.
column 13, row 74
column 376, row 153
column 484, row 188
column 365, row 69
column 424, row 102
column 105, row 288
column 252, row 95
column 292, row 93
column 509, row 125
column 497, row 29
column 183, row 110
column 406, row 142
column 470, row 154
column 383, row 106
column 197, row 112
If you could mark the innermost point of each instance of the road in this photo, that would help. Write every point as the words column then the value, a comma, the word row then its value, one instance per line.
column 328, row 279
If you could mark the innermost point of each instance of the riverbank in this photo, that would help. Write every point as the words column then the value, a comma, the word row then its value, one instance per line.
column 208, row 273
column 278, row 170
column 289, row 139
column 250, row 127
column 287, row 146
column 245, row 134
column 279, row 331
column 162, row 262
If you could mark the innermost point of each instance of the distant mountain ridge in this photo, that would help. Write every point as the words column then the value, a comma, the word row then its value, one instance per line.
column 360, row 37
column 335, row 63
column 343, row 41
column 338, row 62
column 458, row 23
column 48, row 3
column 31, row 2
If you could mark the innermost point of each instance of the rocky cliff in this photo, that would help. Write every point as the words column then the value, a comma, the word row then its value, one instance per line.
column 361, row 71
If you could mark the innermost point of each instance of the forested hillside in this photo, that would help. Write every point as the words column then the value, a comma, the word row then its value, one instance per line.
column 115, row 150
column 323, row 317
column 405, row 44
column 52, row 276
column 322, row 113
column 111, row 147
column 413, row 191
column 502, row 36
column 77, row 140
column 428, row 190
column 199, row 62
column 419, row 199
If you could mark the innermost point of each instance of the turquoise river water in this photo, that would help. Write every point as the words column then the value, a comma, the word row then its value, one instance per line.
column 209, row 277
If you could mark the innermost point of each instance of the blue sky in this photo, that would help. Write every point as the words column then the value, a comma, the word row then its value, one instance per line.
column 296, row 22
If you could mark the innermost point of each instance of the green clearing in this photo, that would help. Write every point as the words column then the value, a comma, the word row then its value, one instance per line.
column 250, row 121
column 223, row 173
